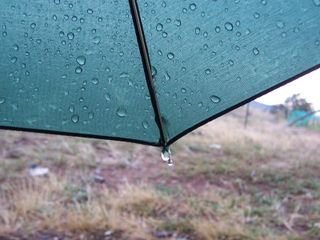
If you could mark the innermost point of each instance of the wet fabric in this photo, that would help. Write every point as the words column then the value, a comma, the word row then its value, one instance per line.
column 74, row 67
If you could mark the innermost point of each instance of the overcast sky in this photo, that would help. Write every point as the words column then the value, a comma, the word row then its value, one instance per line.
column 308, row 86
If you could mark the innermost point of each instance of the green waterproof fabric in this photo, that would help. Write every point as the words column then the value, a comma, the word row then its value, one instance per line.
column 212, row 54
column 74, row 66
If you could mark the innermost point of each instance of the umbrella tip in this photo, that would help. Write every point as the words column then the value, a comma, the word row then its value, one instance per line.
column 166, row 155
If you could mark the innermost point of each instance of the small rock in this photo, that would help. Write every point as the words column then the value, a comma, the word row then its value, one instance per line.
column 98, row 179
column 36, row 171
column 108, row 233
column 215, row 146
column 162, row 234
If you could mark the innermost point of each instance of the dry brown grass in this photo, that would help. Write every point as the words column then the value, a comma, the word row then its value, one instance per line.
column 262, row 184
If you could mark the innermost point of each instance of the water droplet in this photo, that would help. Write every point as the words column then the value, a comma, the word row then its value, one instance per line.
column 153, row 71
column 317, row 42
column 71, row 108
column 107, row 97
column 145, row 124
column 2, row 100
column 170, row 56
column 70, row 36
column 228, row 26
column 177, row 22
column 159, row 27
column 256, row 15
column 74, row 18
column 280, row 24
column 164, row 34
column 57, row 2
column 215, row 99
column 208, row 71
column 296, row 30
column 16, row 47
column 95, row 81
column 90, row 115
column 264, row 2
column 81, row 60
column 283, row 34
column 124, row 75
column 217, row 29
column 33, row 25
column 170, row 162
column 192, row 6
column 13, row 59
column 75, row 118
column 183, row 90
column 167, row 76
column 237, row 23
column 89, row 11
column 316, row 3
column 255, row 51
column 166, row 154
column 78, row 70
column 96, row 40
column 197, row 30
column 121, row 112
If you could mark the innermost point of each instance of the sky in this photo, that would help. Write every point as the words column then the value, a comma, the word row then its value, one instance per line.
column 308, row 86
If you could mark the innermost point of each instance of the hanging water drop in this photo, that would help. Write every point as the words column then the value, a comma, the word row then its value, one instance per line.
column 166, row 156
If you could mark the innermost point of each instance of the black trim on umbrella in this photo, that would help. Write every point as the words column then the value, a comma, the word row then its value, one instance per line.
column 147, row 68
column 83, row 135
column 180, row 135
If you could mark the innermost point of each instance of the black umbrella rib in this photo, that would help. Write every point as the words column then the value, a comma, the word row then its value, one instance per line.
column 147, row 67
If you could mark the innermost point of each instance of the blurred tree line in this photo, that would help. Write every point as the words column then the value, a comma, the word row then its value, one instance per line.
column 293, row 103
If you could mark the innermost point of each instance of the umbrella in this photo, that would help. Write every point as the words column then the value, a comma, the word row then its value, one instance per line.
column 146, row 71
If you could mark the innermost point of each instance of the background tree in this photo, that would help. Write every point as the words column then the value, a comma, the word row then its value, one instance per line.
column 296, row 102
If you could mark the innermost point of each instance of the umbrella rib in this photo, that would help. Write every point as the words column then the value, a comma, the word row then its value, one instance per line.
column 147, row 68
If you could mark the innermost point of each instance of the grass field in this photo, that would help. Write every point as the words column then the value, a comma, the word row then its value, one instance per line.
column 228, row 183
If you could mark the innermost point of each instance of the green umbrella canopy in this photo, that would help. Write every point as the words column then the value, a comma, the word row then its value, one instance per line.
column 146, row 71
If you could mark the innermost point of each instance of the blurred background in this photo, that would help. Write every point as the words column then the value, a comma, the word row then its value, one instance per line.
column 251, row 174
